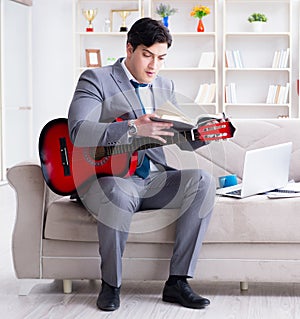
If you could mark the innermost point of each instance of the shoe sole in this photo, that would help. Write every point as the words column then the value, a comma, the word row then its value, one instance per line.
column 175, row 300
column 107, row 308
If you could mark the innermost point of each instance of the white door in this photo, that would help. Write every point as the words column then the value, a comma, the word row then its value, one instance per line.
column 16, row 83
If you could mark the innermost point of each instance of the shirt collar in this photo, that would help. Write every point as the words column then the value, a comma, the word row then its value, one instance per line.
column 129, row 75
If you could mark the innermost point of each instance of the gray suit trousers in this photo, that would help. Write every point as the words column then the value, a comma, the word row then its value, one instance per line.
column 113, row 201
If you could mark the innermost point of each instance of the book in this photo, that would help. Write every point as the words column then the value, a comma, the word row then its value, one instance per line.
column 286, row 96
column 233, row 59
column 237, row 59
column 233, row 92
column 271, row 94
column 292, row 189
column 229, row 59
column 168, row 112
column 275, row 59
column 202, row 93
column 206, row 93
column 230, row 93
column 281, row 58
column 207, row 60
column 211, row 93
column 278, row 94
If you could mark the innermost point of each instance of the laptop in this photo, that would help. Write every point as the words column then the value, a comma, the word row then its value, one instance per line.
column 265, row 169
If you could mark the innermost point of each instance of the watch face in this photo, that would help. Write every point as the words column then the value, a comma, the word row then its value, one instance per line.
column 132, row 128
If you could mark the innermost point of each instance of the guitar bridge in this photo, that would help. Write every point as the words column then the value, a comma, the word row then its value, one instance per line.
column 192, row 135
column 64, row 156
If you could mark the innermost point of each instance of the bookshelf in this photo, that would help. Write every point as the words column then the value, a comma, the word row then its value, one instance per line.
column 256, row 57
column 182, row 62
column 257, row 82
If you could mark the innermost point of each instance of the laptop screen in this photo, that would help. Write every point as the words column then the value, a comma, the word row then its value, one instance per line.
column 266, row 169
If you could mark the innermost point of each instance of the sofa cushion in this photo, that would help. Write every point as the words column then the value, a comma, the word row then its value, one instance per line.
column 233, row 221
column 68, row 220
column 255, row 219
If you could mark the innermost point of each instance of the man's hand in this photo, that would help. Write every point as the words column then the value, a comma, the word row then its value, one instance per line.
column 147, row 127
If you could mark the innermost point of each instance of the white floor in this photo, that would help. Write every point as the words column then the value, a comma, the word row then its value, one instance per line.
column 139, row 300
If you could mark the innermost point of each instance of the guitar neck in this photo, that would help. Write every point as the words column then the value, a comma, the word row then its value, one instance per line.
column 209, row 132
column 144, row 143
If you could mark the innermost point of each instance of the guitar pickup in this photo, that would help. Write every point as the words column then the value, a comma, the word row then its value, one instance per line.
column 64, row 156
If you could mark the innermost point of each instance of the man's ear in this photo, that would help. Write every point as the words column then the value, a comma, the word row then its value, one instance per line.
column 129, row 49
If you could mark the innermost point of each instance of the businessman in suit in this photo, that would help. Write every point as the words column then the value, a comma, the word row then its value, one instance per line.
column 131, row 90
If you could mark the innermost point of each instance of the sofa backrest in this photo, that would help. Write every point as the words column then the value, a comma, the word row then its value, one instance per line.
column 227, row 157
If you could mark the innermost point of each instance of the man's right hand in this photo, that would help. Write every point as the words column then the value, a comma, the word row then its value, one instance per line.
column 147, row 127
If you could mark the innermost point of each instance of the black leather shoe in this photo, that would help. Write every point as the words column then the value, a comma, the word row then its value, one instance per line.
column 109, row 297
column 183, row 294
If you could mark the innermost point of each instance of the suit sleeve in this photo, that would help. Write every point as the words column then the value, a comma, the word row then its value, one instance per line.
column 85, row 111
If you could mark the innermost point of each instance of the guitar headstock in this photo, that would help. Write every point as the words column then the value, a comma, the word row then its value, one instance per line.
column 216, row 131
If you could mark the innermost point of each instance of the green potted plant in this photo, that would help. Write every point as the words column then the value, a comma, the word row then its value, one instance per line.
column 165, row 10
column 257, row 21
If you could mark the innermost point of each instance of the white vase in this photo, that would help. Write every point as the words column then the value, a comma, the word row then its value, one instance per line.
column 257, row 26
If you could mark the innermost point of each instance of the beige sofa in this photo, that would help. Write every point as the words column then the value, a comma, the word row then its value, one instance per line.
column 249, row 240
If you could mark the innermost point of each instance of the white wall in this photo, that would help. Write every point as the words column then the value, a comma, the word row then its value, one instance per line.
column 53, row 75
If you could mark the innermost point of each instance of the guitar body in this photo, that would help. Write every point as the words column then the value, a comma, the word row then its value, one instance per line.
column 67, row 168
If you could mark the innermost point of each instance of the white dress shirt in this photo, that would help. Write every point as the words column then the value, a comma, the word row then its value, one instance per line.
column 147, row 100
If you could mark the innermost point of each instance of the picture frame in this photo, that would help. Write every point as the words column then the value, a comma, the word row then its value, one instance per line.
column 117, row 22
column 93, row 58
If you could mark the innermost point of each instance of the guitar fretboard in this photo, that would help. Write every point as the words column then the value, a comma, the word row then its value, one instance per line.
column 144, row 143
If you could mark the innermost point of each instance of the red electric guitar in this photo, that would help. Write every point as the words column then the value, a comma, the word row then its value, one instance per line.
column 67, row 168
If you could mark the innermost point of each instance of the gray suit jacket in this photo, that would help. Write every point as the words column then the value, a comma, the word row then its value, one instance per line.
column 104, row 94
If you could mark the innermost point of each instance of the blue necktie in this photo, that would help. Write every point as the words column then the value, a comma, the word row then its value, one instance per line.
column 144, row 169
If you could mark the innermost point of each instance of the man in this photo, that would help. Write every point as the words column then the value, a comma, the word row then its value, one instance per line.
column 104, row 96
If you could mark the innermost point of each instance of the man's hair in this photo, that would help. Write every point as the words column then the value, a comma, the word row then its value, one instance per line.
column 147, row 31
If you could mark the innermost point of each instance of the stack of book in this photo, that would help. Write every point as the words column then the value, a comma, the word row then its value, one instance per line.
column 230, row 93
column 281, row 58
column 206, row 93
column 233, row 59
column 278, row 94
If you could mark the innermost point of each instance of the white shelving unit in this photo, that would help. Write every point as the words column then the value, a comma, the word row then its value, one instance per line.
column 253, row 79
column 183, row 57
column 257, row 49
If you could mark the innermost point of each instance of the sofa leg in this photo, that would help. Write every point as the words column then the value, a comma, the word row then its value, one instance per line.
column 26, row 285
column 67, row 286
column 244, row 286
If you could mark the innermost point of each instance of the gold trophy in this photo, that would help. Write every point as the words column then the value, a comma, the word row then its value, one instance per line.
column 90, row 15
column 124, row 15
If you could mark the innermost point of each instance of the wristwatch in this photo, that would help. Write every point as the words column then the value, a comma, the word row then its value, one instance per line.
column 132, row 129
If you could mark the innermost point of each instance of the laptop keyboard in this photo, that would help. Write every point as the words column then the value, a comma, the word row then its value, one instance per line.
column 236, row 192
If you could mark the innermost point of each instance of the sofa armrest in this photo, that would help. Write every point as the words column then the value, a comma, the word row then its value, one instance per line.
column 27, row 180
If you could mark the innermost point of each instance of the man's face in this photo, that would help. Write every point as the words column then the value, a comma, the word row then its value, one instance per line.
column 145, row 62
